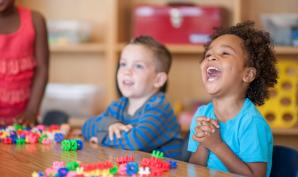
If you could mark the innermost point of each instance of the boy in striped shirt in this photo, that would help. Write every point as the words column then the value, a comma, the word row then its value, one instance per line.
column 142, row 119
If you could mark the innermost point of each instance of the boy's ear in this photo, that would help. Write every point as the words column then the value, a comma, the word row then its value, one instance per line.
column 160, row 79
column 250, row 74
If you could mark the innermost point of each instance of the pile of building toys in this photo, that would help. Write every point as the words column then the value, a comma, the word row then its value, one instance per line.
column 123, row 166
column 19, row 134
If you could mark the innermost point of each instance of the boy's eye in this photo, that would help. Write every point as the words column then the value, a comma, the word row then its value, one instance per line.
column 122, row 64
column 139, row 66
column 225, row 53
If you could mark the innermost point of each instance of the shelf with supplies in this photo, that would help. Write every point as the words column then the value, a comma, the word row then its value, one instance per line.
column 76, row 48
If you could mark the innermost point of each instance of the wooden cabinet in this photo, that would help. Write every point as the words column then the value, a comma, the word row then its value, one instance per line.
column 95, row 62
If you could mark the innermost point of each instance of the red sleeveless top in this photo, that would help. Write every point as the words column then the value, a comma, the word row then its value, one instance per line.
column 17, row 66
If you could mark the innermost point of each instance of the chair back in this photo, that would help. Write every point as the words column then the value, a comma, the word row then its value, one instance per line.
column 284, row 162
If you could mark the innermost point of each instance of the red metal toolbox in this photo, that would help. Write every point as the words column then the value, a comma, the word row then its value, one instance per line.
column 179, row 24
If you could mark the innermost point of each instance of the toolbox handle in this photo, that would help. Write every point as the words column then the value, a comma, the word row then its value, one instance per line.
column 179, row 4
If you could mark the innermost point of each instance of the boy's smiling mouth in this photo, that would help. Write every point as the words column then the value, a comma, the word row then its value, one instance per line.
column 213, row 73
column 127, row 83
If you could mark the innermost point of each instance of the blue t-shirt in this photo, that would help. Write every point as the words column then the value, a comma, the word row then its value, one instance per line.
column 247, row 135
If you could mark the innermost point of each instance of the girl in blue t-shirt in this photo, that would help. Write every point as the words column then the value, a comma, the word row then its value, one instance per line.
column 229, row 134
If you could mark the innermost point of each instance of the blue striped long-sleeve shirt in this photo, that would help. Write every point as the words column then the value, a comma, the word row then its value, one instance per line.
column 155, row 127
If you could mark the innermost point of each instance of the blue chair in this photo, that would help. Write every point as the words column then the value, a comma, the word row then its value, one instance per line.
column 55, row 117
column 284, row 162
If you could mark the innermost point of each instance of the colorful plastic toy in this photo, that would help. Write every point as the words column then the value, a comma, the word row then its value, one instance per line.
column 173, row 164
column 124, row 160
column 19, row 134
column 148, row 166
column 71, row 145
column 132, row 168
column 157, row 154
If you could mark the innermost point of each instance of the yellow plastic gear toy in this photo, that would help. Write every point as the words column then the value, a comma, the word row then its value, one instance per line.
column 280, row 110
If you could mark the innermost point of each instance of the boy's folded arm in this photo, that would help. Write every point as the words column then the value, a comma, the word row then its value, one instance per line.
column 98, row 124
column 140, row 137
column 104, row 122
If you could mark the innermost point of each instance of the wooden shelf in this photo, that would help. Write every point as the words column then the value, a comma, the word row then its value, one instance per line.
column 285, row 131
column 120, row 47
column 286, row 50
column 178, row 48
column 199, row 49
column 86, row 47
column 186, row 49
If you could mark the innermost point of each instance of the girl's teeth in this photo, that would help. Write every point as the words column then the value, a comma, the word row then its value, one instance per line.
column 211, row 68
column 212, row 73
column 211, row 79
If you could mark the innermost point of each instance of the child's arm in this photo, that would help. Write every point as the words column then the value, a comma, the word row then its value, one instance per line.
column 98, row 127
column 235, row 165
column 152, row 126
column 200, row 156
column 117, row 128
column 114, row 129
column 214, row 143
column 41, row 72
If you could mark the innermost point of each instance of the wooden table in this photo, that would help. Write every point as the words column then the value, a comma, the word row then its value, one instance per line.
column 22, row 160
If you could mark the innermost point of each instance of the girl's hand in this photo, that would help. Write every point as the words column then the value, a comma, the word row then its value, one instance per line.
column 116, row 129
column 203, row 129
column 204, row 121
column 205, row 126
column 212, row 140
column 207, row 132
column 27, row 118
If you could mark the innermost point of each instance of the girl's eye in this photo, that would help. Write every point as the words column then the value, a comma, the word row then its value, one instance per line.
column 225, row 53
column 207, row 56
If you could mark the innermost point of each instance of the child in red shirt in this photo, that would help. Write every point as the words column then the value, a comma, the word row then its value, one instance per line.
column 24, row 57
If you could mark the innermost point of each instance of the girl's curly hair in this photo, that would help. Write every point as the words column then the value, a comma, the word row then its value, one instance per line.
column 258, row 46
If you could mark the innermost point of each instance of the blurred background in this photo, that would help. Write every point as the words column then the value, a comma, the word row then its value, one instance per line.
column 86, row 38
